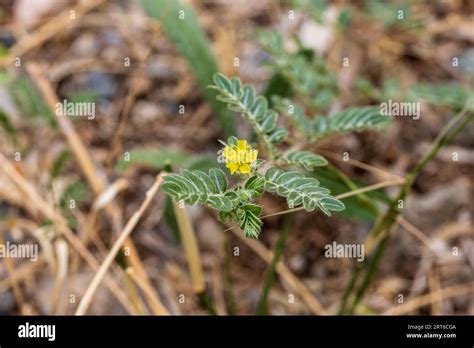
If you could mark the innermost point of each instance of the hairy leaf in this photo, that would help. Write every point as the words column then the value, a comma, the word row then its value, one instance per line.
column 301, row 190
column 307, row 159
column 219, row 179
column 304, row 71
column 195, row 186
column 28, row 98
column 253, row 108
column 255, row 185
column 350, row 120
column 249, row 220
column 453, row 95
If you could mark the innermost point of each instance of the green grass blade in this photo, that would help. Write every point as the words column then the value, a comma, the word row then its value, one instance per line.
column 191, row 41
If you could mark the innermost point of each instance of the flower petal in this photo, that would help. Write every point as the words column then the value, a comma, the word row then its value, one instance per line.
column 242, row 145
column 229, row 154
column 239, row 157
column 254, row 155
column 244, row 169
column 233, row 167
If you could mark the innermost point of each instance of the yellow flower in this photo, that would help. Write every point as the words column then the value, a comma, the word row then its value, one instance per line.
column 239, row 158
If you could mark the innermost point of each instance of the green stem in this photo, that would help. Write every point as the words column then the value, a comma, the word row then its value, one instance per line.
column 362, row 197
column 382, row 229
column 271, row 274
column 207, row 302
column 350, row 287
column 229, row 284
column 374, row 261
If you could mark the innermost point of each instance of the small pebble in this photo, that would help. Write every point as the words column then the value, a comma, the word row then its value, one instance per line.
column 102, row 85
column 7, row 39
column 7, row 302
column 160, row 71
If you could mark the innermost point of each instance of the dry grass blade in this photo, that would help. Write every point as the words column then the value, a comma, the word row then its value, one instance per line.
column 66, row 126
column 188, row 238
column 362, row 165
column 101, row 272
column 109, row 194
column 85, row 161
column 425, row 300
column 51, row 28
column 154, row 302
column 42, row 206
column 62, row 252
column 24, row 272
column 416, row 232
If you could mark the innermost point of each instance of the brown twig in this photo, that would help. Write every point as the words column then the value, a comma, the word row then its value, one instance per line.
column 362, row 165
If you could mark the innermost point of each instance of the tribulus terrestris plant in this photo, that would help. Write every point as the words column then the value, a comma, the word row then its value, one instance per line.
column 266, row 166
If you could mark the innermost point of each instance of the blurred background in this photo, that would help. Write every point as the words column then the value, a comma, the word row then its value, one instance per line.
column 145, row 72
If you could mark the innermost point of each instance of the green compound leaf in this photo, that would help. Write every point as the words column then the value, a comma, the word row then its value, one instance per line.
column 226, row 216
column 218, row 178
column 249, row 220
column 304, row 71
column 255, row 185
column 453, row 95
column 307, row 159
column 253, row 108
column 350, row 120
column 195, row 186
column 301, row 190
